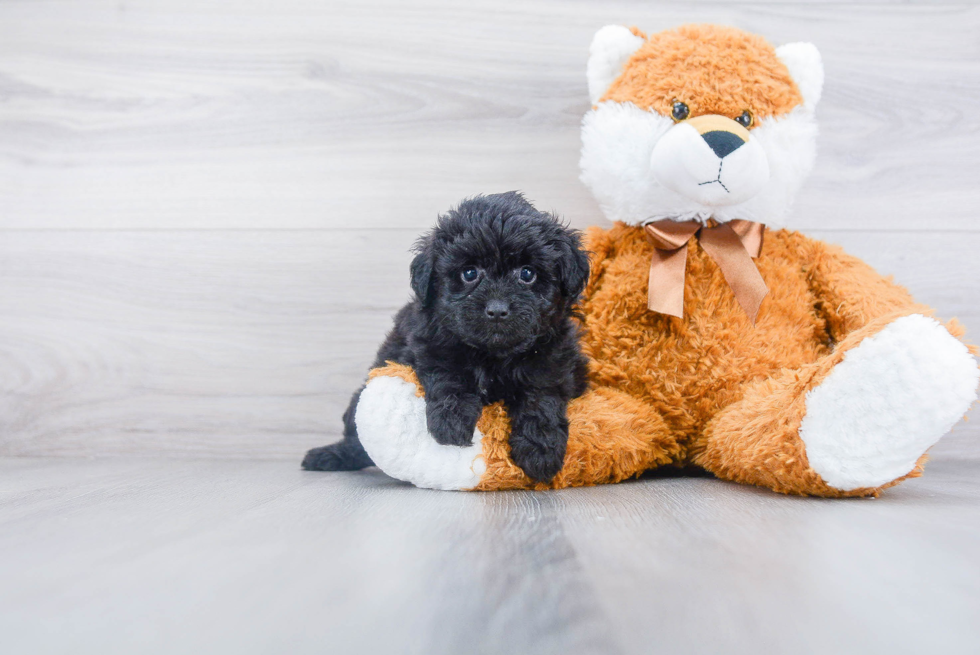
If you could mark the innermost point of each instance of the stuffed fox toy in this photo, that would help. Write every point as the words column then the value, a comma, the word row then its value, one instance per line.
column 716, row 338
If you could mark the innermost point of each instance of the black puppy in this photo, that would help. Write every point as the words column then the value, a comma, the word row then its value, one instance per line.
column 495, row 283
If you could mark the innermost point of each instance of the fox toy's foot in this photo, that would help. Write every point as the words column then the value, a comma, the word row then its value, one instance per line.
column 849, row 425
column 891, row 398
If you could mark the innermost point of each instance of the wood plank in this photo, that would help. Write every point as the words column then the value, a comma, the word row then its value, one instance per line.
column 304, row 115
column 249, row 343
column 163, row 556
column 255, row 557
column 706, row 567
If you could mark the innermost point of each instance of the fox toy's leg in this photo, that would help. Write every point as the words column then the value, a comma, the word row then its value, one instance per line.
column 851, row 424
column 612, row 436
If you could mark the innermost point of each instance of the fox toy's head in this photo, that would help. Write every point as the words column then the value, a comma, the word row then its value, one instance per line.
column 698, row 122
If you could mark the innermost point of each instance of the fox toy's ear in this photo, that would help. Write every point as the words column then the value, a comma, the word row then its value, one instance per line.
column 611, row 48
column 804, row 64
column 423, row 283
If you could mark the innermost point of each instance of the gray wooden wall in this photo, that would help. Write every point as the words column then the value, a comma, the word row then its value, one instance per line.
column 206, row 209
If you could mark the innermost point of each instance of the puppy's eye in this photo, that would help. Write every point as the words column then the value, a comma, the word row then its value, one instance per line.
column 680, row 111
column 470, row 274
column 528, row 275
column 745, row 119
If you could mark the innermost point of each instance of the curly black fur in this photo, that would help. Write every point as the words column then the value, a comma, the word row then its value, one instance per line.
column 494, row 337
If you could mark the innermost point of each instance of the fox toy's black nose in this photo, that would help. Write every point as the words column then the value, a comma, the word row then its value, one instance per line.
column 497, row 310
column 723, row 143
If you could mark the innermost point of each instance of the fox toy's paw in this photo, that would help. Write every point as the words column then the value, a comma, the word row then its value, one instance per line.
column 891, row 398
column 391, row 425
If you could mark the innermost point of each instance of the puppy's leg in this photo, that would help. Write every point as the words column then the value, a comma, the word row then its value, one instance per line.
column 539, row 434
column 451, row 409
column 345, row 455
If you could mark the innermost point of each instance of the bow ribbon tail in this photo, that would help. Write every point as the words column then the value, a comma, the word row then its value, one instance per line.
column 750, row 234
column 665, row 293
column 726, row 248
column 665, row 290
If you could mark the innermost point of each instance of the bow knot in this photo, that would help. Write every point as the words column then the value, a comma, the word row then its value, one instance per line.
column 732, row 245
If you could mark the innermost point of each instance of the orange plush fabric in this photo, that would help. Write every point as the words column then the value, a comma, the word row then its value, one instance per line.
column 713, row 69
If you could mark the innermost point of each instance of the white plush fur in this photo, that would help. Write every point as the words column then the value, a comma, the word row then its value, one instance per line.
column 391, row 425
column 806, row 67
column 611, row 48
column 618, row 142
column 887, row 402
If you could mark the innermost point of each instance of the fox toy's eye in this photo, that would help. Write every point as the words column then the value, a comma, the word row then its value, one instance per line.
column 745, row 119
column 470, row 274
column 528, row 275
column 680, row 111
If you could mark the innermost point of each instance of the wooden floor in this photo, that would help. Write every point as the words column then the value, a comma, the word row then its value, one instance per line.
column 130, row 555
column 205, row 217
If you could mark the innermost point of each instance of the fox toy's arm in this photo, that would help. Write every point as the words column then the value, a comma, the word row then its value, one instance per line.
column 853, row 296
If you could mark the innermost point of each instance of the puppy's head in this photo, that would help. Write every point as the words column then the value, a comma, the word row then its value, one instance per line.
column 497, row 273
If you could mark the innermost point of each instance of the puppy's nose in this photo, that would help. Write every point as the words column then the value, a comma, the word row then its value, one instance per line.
column 497, row 310
column 723, row 143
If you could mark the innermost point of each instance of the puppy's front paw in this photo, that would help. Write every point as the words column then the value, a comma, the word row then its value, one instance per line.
column 540, row 458
column 451, row 427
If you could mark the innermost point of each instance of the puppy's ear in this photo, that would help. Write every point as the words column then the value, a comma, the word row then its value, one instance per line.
column 573, row 264
column 423, row 283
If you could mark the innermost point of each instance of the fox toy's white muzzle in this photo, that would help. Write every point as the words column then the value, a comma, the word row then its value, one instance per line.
column 712, row 160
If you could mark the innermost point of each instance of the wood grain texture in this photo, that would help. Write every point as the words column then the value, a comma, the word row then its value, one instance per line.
column 381, row 114
column 221, row 343
column 164, row 556
column 249, row 344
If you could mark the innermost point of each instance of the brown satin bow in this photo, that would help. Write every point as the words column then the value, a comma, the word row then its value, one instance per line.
column 732, row 245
